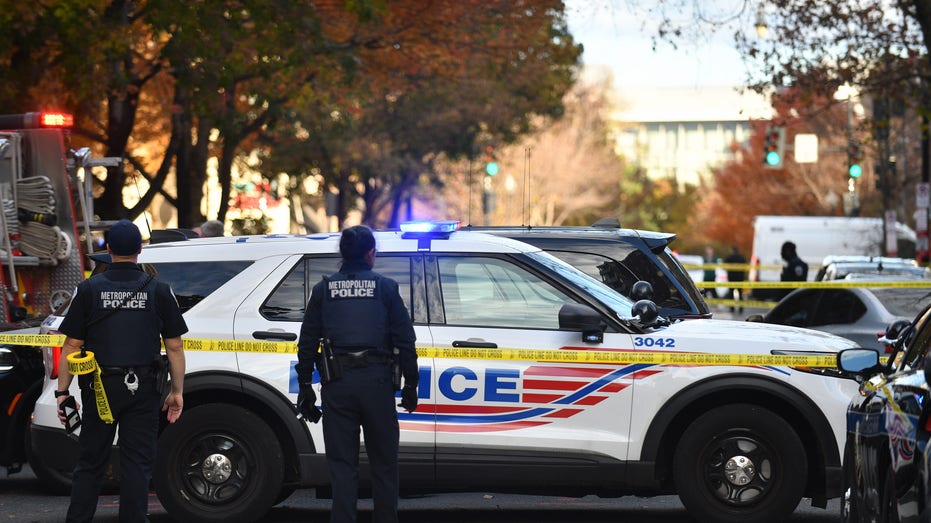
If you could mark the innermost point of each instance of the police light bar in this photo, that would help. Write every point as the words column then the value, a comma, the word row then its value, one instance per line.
column 441, row 227
column 36, row 120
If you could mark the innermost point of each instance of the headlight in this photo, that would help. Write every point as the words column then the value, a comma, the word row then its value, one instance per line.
column 8, row 359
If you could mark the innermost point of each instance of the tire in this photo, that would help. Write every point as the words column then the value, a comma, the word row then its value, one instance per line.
column 740, row 463
column 889, row 505
column 850, row 511
column 218, row 462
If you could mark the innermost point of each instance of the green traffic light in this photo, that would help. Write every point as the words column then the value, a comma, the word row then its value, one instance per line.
column 491, row 168
column 855, row 170
column 772, row 158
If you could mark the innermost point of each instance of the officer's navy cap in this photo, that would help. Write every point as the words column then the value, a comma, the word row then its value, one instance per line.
column 124, row 238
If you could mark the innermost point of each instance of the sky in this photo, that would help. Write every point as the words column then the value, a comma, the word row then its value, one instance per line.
column 614, row 36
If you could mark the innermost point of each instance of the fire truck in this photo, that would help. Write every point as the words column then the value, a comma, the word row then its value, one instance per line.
column 46, row 224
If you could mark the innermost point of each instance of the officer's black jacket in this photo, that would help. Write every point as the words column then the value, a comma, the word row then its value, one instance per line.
column 130, row 335
column 357, row 308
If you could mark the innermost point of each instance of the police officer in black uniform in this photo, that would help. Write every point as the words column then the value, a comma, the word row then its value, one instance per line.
column 121, row 315
column 795, row 268
column 363, row 316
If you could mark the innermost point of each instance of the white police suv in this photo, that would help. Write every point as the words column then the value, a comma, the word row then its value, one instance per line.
column 534, row 378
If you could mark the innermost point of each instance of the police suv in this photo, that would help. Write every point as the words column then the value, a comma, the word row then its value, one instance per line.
column 520, row 389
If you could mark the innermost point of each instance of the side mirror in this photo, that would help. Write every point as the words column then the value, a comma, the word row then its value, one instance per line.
column 758, row 318
column 860, row 362
column 584, row 319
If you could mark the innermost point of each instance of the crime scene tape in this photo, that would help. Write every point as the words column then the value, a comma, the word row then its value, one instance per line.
column 743, row 304
column 836, row 284
column 79, row 365
column 548, row 355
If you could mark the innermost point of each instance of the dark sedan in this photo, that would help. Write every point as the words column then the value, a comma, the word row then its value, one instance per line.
column 21, row 371
column 886, row 465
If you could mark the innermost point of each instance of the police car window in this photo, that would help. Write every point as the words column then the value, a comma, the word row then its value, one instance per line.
column 490, row 292
column 289, row 300
column 194, row 281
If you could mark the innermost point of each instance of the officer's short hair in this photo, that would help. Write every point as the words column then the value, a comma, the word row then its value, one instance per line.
column 355, row 242
column 211, row 228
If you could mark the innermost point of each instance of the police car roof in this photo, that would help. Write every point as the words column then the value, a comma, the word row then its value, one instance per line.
column 260, row 246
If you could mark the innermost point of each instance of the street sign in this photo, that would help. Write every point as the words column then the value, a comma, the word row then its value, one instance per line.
column 921, row 195
column 806, row 148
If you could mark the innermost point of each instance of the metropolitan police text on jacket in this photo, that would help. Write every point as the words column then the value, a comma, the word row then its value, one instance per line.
column 351, row 288
column 123, row 299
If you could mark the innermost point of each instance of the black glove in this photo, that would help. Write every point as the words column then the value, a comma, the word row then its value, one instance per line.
column 306, row 404
column 409, row 398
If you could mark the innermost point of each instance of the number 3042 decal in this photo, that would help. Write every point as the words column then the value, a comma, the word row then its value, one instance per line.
column 666, row 343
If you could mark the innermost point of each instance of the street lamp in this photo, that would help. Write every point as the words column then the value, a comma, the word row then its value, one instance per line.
column 762, row 30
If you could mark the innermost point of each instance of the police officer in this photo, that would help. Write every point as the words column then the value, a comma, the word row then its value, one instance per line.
column 363, row 316
column 795, row 268
column 121, row 315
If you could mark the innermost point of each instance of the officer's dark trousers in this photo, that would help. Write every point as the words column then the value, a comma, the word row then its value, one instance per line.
column 137, row 419
column 362, row 397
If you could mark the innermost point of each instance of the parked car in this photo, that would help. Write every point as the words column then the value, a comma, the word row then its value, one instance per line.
column 867, row 267
column 887, row 469
column 21, row 373
column 860, row 314
column 620, row 258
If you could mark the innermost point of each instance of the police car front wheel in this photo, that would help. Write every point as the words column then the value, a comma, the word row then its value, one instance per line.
column 218, row 462
column 739, row 463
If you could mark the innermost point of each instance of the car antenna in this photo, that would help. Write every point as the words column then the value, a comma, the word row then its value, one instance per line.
column 469, row 211
column 144, row 215
column 525, row 194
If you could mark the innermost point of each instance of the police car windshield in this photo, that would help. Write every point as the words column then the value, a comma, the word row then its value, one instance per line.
column 619, row 303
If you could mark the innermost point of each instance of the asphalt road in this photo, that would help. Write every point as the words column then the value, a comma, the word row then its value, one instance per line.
column 22, row 500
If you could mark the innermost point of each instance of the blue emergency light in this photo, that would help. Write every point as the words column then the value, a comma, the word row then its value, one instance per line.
column 429, row 227
column 424, row 231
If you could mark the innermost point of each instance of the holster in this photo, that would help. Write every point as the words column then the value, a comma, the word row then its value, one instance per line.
column 396, row 369
column 327, row 364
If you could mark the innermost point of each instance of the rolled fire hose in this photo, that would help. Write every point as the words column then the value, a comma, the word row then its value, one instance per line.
column 80, row 363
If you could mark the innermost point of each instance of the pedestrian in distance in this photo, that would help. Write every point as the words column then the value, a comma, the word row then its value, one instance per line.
column 210, row 229
column 357, row 321
column 708, row 261
column 795, row 269
column 116, row 324
column 735, row 274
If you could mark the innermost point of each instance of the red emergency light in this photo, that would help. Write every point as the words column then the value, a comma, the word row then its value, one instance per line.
column 36, row 121
column 56, row 120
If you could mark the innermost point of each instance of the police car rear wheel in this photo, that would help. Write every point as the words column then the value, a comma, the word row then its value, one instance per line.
column 218, row 462
column 740, row 463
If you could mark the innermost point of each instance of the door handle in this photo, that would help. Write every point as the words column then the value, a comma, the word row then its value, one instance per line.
column 478, row 344
column 274, row 335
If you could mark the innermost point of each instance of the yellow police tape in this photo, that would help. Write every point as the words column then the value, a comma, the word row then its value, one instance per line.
column 550, row 355
column 834, row 284
column 79, row 365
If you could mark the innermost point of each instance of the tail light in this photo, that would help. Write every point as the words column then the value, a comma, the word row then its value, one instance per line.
column 51, row 357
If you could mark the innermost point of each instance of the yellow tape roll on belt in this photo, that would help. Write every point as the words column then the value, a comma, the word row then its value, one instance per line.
column 79, row 365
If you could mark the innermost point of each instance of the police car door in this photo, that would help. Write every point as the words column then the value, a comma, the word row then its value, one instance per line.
column 520, row 418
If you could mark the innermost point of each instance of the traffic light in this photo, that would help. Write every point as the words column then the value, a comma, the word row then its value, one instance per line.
column 854, row 157
column 491, row 166
column 774, row 145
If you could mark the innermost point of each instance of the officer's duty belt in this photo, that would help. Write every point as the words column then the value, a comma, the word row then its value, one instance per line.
column 362, row 358
column 141, row 370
